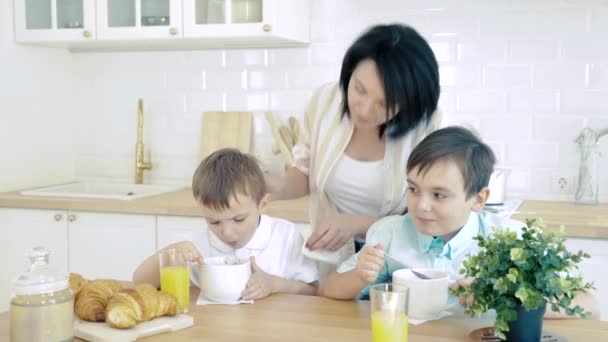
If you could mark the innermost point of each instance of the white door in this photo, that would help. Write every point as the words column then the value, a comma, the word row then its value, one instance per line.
column 109, row 245
column 594, row 268
column 139, row 19
column 172, row 229
column 54, row 20
column 23, row 229
column 228, row 18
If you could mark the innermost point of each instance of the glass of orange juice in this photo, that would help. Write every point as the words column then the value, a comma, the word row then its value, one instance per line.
column 175, row 275
column 389, row 312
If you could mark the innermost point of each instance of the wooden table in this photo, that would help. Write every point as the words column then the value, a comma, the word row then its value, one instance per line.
column 307, row 318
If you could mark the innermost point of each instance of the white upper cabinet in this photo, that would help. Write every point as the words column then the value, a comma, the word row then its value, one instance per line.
column 162, row 24
column 139, row 19
column 54, row 20
column 239, row 21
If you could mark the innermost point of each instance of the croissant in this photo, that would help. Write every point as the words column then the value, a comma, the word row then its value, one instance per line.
column 93, row 299
column 141, row 303
column 76, row 283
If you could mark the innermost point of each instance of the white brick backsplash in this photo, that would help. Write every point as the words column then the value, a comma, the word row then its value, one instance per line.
column 538, row 24
column 518, row 183
column 528, row 75
column 589, row 49
column 249, row 101
column 184, row 80
column 206, row 101
column 533, row 50
column 312, row 77
column 482, row 50
column 482, row 102
column 598, row 76
column 205, row 59
column 290, row 100
column 237, row 59
column 598, row 22
column 447, row 22
column 505, row 128
column 555, row 128
column 444, row 51
column 506, row 76
column 461, row 76
column 293, row 57
column 527, row 101
column 584, row 102
column 266, row 79
column 531, row 154
column 225, row 80
column 332, row 54
column 568, row 75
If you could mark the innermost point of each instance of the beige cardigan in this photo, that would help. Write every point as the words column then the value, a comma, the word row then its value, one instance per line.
column 324, row 138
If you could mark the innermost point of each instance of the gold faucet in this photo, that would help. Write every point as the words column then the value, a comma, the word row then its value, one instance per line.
column 140, row 165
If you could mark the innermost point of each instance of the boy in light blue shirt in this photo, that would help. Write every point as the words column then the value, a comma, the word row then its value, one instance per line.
column 447, row 175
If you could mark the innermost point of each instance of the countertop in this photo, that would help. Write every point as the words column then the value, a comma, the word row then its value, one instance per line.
column 585, row 221
column 178, row 203
column 283, row 317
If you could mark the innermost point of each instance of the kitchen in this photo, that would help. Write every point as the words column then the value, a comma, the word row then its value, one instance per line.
column 528, row 76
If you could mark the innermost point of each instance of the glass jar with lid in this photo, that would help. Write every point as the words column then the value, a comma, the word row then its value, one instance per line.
column 42, row 307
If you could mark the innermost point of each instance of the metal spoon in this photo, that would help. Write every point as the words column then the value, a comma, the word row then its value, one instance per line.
column 417, row 274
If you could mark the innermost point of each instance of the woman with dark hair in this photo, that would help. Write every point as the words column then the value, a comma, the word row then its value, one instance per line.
column 357, row 136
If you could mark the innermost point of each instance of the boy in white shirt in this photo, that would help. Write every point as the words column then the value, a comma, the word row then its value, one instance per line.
column 230, row 188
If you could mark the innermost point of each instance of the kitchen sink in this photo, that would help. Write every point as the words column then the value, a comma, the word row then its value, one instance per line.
column 120, row 191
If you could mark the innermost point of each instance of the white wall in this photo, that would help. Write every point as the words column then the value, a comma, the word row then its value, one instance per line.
column 36, row 101
column 528, row 74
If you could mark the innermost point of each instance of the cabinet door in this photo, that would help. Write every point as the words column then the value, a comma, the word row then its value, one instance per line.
column 248, row 20
column 54, row 20
column 137, row 19
column 593, row 269
column 109, row 245
column 23, row 229
column 172, row 229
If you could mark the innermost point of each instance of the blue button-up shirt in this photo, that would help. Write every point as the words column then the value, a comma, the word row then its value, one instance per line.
column 399, row 237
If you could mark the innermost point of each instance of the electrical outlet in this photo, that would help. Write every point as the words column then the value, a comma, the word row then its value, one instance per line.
column 562, row 184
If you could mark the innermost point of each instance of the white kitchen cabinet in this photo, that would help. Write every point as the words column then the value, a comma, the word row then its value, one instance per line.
column 139, row 19
column 103, row 245
column 237, row 22
column 82, row 25
column 171, row 229
column 22, row 230
column 54, row 20
column 594, row 269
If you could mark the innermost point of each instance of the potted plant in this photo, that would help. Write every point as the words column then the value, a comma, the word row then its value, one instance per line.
column 518, row 276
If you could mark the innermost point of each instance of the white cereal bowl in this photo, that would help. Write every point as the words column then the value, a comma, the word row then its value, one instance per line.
column 223, row 279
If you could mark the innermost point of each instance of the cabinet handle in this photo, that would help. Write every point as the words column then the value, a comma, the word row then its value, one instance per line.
column 86, row 34
column 267, row 28
column 58, row 217
column 71, row 218
column 173, row 31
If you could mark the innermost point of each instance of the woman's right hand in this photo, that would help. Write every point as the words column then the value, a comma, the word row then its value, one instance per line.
column 189, row 249
column 370, row 262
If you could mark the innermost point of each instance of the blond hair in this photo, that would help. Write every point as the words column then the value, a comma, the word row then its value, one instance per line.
column 223, row 175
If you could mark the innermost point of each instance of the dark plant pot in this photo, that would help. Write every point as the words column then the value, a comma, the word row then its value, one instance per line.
column 528, row 327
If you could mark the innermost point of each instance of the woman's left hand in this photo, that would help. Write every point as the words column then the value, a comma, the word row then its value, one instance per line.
column 260, row 284
column 332, row 233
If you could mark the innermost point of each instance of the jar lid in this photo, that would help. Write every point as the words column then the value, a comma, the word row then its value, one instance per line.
column 40, row 277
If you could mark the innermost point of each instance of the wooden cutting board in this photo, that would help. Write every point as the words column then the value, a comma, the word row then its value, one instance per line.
column 225, row 129
column 102, row 332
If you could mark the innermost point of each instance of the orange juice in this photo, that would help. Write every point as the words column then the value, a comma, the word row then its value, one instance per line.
column 389, row 326
column 176, row 280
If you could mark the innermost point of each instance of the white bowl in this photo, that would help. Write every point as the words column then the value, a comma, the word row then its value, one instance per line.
column 428, row 297
column 223, row 279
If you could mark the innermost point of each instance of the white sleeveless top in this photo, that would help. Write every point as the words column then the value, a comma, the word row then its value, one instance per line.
column 357, row 187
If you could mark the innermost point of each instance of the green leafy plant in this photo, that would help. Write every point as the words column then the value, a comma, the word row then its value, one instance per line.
column 531, row 271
